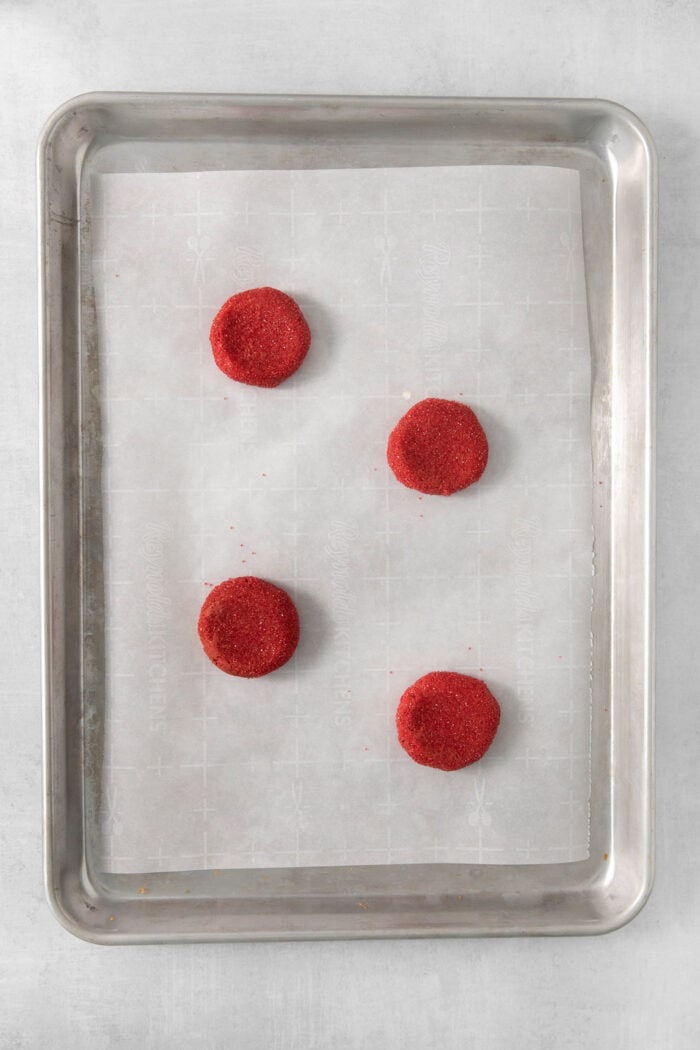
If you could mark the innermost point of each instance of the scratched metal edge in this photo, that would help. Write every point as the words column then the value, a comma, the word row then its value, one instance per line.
column 88, row 906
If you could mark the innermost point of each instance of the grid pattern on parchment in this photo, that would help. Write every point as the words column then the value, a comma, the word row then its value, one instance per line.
column 463, row 283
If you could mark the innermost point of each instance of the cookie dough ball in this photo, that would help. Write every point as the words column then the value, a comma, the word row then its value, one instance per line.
column 438, row 447
column 248, row 627
column 447, row 720
column 259, row 337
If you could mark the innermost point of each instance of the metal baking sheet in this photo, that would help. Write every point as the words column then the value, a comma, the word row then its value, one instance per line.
column 614, row 159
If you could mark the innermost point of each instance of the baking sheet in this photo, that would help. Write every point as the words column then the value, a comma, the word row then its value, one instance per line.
column 455, row 282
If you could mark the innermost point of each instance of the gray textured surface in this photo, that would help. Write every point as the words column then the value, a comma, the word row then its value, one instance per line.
column 635, row 988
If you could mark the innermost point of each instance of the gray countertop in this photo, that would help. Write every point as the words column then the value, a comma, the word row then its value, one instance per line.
column 636, row 988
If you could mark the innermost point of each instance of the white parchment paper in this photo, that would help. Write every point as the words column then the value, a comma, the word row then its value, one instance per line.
column 464, row 283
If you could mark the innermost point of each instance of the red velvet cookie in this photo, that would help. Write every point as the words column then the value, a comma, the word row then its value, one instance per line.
column 438, row 447
column 447, row 720
column 259, row 337
column 248, row 627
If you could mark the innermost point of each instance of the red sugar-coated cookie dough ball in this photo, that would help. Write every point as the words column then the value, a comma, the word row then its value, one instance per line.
column 259, row 337
column 447, row 720
column 438, row 447
column 248, row 627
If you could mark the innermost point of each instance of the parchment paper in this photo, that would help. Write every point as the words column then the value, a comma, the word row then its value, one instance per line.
column 464, row 283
